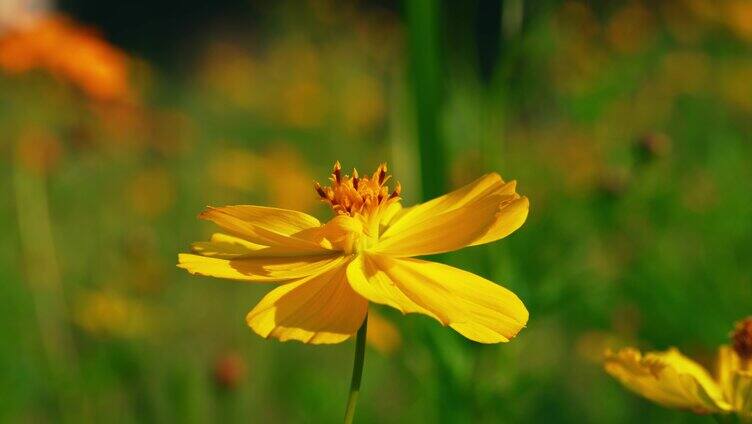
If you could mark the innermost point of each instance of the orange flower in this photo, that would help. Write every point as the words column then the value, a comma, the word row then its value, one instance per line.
column 70, row 52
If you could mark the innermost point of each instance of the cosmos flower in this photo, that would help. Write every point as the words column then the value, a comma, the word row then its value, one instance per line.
column 329, row 272
column 673, row 380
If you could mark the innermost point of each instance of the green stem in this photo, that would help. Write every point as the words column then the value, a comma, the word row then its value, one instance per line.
column 45, row 284
column 42, row 268
column 360, row 353
column 424, row 39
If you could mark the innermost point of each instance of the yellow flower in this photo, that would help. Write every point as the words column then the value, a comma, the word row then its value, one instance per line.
column 330, row 272
column 673, row 380
column 735, row 378
column 667, row 378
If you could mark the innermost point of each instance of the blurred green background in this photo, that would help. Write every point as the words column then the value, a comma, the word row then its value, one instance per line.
column 627, row 124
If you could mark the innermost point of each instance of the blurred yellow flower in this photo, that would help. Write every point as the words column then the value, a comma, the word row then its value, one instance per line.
column 110, row 314
column 667, row 378
column 682, row 21
column 673, row 380
column 331, row 271
column 234, row 168
column 363, row 104
column 686, row 72
column 734, row 85
column 301, row 98
column 151, row 192
column 630, row 28
column 290, row 191
column 68, row 51
column 382, row 334
column 239, row 169
column 38, row 150
column 738, row 16
column 232, row 72
column 578, row 57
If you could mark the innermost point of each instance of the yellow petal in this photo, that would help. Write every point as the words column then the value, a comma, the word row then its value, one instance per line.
column 483, row 186
column 340, row 233
column 389, row 214
column 728, row 364
column 475, row 307
column 259, row 269
column 735, row 379
column 375, row 285
column 231, row 247
column 483, row 211
column 227, row 247
column 442, row 233
column 742, row 400
column 667, row 378
column 509, row 218
column 266, row 226
column 319, row 309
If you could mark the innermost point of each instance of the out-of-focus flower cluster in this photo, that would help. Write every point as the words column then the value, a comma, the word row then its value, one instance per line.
column 278, row 174
column 604, row 111
column 311, row 80
column 618, row 78
column 588, row 46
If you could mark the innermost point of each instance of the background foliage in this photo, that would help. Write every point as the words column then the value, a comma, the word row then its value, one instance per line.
column 626, row 123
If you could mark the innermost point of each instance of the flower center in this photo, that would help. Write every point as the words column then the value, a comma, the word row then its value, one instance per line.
column 742, row 338
column 355, row 195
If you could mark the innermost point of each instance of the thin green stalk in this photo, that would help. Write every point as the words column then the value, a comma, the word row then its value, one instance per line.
column 360, row 353
column 42, row 274
column 426, row 75
column 42, row 269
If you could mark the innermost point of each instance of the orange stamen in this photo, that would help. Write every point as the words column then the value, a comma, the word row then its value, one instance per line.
column 358, row 195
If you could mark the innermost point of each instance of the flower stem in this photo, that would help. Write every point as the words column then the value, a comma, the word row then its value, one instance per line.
column 424, row 40
column 360, row 353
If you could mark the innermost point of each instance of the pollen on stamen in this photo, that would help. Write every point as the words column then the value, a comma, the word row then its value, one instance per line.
column 397, row 191
column 319, row 190
column 336, row 172
column 381, row 173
